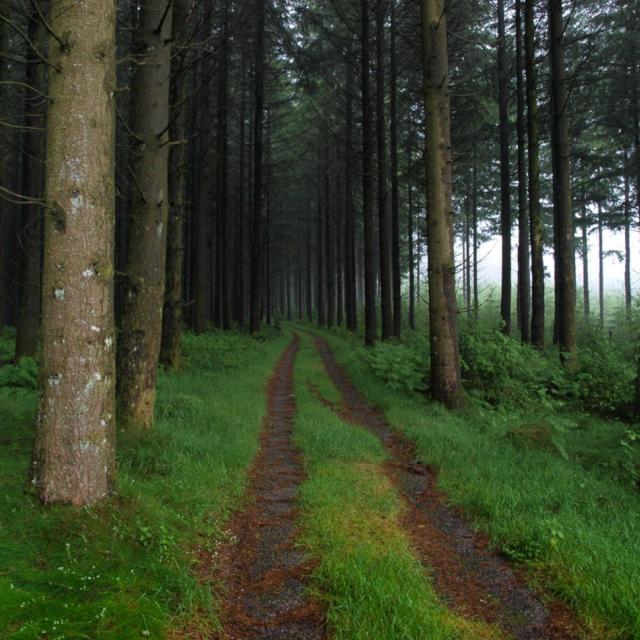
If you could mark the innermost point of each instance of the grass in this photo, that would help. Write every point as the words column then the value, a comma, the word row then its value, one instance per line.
column 373, row 585
column 571, row 523
column 123, row 569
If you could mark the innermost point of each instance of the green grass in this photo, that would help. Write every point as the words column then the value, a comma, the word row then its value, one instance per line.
column 373, row 585
column 124, row 569
column 573, row 524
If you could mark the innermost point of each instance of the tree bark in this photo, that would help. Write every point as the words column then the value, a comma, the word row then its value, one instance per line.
column 600, row 266
column 255, row 293
column 505, row 175
column 395, row 188
column 74, row 451
column 367, row 183
column 141, row 322
column 535, row 210
column 524, row 278
column 585, row 264
column 561, row 153
column 350, row 215
column 171, row 346
column 384, row 213
column 446, row 385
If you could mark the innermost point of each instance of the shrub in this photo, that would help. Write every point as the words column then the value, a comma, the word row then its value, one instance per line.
column 23, row 375
column 403, row 367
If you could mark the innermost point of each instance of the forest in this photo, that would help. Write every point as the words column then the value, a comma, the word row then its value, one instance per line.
column 320, row 319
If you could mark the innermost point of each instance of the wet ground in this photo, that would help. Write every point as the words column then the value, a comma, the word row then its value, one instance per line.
column 472, row 578
column 265, row 575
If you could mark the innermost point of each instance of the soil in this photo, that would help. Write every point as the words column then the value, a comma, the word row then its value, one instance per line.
column 264, row 574
column 470, row 576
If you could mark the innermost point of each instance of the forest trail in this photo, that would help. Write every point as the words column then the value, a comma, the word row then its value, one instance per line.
column 469, row 576
column 264, row 574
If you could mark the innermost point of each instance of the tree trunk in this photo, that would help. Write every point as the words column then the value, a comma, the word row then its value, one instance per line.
column 320, row 288
column 30, row 239
column 350, row 214
column 330, row 258
column 600, row 266
column 141, row 324
column 223, row 211
column 256, row 222
column 395, row 189
column 171, row 346
column 561, row 153
column 412, row 265
column 367, row 183
column 535, row 210
column 446, row 385
column 505, row 175
column 74, row 451
column 585, row 264
column 524, row 279
column 384, row 213
column 627, row 246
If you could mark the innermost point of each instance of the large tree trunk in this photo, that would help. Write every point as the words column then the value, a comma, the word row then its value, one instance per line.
column 255, row 296
column 561, row 153
column 446, row 385
column 141, row 322
column 171, row 347
column 535, row 210
column 395, row 188
column 384, row 213
column 524, row 278
column 412, row 265
column 505, row 175
column 28, row 325
column 74, row 451
column 367, row 183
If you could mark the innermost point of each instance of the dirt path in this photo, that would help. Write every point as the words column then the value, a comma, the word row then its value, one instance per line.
column 263, row 573
column 470, row 577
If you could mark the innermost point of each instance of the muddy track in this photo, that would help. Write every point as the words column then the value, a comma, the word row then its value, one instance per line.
column 264, row 574
column 469, row 576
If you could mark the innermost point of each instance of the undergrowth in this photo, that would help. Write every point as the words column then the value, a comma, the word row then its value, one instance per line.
column 123, row 569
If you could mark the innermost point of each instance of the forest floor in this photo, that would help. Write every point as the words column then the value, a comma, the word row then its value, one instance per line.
column 286, row 493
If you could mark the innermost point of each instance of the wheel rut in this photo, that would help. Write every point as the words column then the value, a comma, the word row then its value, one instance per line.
column 263, row 572
column 470, row 576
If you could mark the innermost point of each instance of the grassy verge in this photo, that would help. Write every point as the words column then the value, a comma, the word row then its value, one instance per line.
column 578, row 526
column 372, row 583
column 123, row 569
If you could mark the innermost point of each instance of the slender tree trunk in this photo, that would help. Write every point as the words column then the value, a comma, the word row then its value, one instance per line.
column 585, row 264
column 627, row 246
column 367, row 183
column 4, row 182
column 600, row 266
column 474, row 211
column 329, row 247
column 223, row 210
column 171, row 347
column 384, row 213
column 240, row 303
column 395, row 189
column 30, row 236
column 524, row 278
column 535, row 210
column 256, row 223
column 412, row 265
column 350, row 222
column 505, row 175
column 320, row 269
column 446, row 385
column 339, row 247
column 74, row 451
column 561, row 152
column 309, row 271
column 141, row 328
